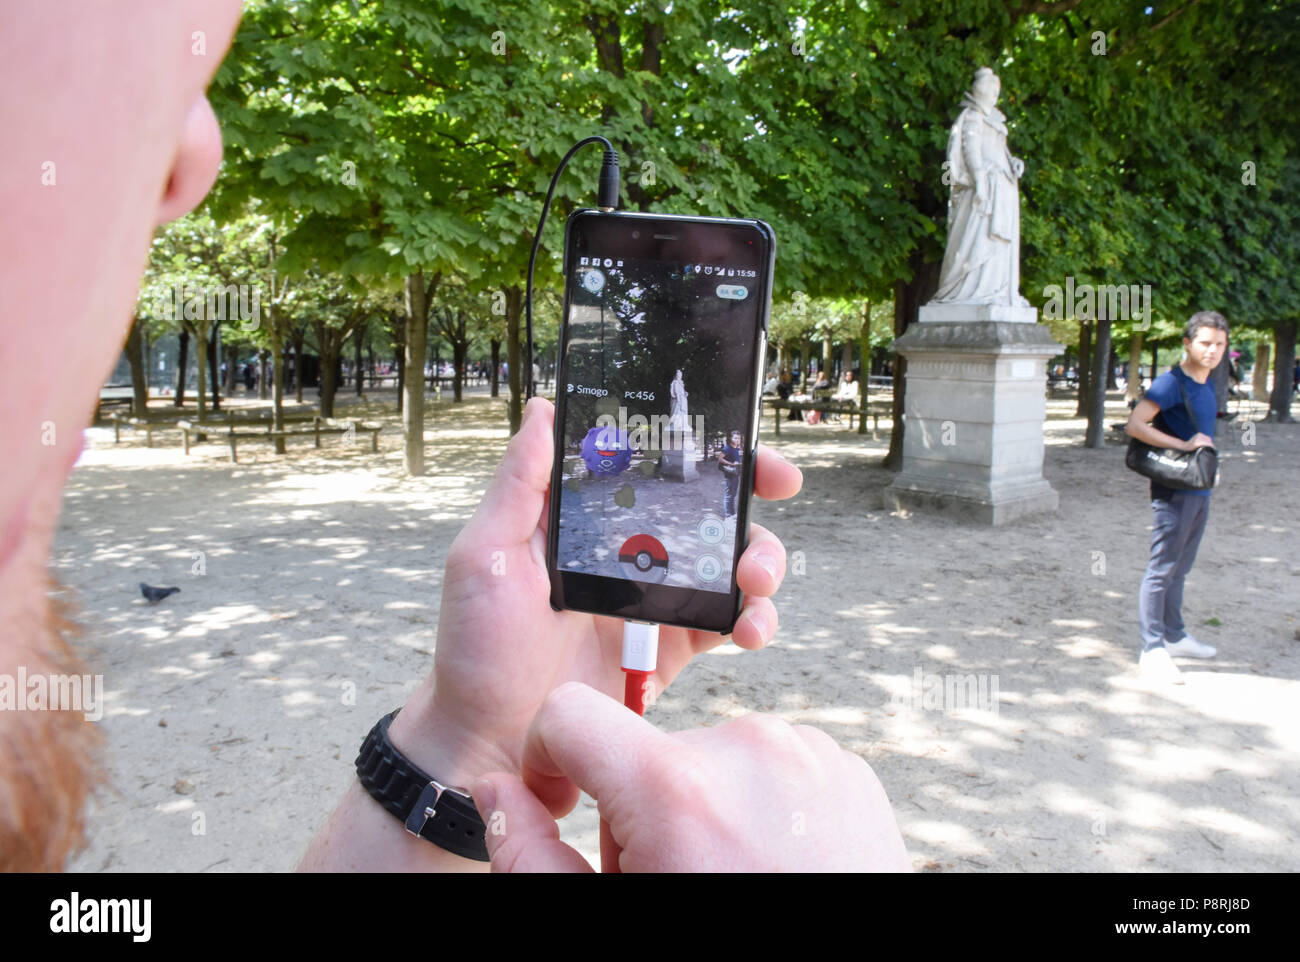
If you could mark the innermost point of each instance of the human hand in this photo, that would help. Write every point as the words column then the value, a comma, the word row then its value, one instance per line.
column 501, row 648
column 753, row 795
column 1198, row 440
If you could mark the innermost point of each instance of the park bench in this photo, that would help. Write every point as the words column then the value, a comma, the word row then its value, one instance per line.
column 875, row 409
column 112, row 402
column 170, row 421
column 149, row 423
column 318, row 426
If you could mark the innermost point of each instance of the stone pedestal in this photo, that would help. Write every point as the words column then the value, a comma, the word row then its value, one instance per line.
column 974, row 410
column 677, row 459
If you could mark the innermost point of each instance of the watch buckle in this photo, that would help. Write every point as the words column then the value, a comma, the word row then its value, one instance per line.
column 426, row 806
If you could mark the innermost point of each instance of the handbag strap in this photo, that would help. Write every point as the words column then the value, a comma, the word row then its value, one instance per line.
column 1191, row 412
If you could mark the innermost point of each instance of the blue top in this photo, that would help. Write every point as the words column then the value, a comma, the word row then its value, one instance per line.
column 1174, row 417
column 731, row 454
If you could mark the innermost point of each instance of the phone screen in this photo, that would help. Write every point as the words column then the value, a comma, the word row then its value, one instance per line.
column 658, row 384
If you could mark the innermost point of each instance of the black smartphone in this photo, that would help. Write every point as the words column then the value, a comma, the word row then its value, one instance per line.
column 661, row 354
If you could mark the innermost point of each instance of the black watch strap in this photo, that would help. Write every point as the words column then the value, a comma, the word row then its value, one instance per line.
column 445, row 816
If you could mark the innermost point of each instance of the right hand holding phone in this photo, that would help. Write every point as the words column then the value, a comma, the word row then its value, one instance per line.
column 501, row 647
column 755, row 794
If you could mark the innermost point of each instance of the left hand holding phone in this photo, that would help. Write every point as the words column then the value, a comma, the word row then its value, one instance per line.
column 502, row 648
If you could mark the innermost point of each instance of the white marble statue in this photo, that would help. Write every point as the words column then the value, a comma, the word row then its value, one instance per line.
column 678, row 420
column 982, row 262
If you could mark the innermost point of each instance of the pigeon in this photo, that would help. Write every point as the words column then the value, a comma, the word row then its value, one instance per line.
column 154, row 595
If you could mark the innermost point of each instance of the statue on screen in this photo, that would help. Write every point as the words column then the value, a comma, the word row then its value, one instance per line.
column 678, row 420
column 981, row 264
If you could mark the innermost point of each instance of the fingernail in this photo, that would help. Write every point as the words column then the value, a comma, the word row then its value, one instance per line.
column 759, row 623
column 768, row 564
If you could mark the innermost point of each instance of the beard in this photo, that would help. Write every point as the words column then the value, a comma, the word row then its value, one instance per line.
column 48, row 759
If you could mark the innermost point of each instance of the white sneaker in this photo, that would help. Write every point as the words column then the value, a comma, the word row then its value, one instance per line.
column 1156, row 666
column 1189, row 647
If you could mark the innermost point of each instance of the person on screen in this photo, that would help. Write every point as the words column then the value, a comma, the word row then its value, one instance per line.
column 730, row 461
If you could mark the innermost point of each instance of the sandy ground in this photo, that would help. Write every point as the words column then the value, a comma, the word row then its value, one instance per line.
column 307, row 577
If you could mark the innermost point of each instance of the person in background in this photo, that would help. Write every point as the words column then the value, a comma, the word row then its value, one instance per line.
column 1182, row 403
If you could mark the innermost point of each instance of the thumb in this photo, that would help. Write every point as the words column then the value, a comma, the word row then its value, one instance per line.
column 513, row 501
column 521, row 835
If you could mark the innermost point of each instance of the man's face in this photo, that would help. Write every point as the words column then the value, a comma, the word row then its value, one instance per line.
column 107, row 134
column 1207, row 347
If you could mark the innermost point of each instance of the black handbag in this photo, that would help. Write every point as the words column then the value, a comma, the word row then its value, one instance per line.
column 1181, row 470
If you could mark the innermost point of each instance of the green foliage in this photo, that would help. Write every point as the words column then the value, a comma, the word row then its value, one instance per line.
column 377, row 138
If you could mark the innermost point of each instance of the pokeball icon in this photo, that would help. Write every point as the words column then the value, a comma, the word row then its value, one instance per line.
column 644, row 559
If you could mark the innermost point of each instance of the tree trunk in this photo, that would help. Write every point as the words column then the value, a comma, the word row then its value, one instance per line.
column 1085, row 369
column 135, row 357
column 277, row 388
column 1096, row 434
column 458, row 351
column 331, row 346
column 864, row 385
column 1133, row 390
column 399, row 365
column 214, row 369
column 417, row 330
column 827, row 360
column 908, row 298
column 496, row 368
column 805, row 353
column 232, row 369
column 182, row 362
column 1155, row 361
column 263, row 360
column 329, row 366
column 1259, row 384
column 846, row 357
column 514, row 354
column 1279, row 405
column 298, row 337
column 358, row 337
column 201, row 346
column 1112, row 362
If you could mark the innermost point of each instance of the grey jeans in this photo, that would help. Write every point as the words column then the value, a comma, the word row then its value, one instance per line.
column 1180, row 522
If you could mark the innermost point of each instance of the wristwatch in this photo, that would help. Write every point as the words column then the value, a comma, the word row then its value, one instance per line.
column 444, row 815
